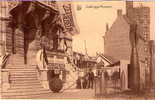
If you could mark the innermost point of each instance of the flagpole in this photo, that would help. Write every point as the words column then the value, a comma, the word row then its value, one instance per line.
column 86, row 53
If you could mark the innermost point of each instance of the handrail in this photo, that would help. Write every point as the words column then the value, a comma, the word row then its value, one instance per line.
column 3, row 60
column 41, row 61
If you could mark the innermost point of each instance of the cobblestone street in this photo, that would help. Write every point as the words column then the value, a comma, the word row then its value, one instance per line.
column 83, row 94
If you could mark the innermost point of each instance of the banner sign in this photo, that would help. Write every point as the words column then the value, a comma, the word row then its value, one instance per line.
column 54, row 66
column 68, row 17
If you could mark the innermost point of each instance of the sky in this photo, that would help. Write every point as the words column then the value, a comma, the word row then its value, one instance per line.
column 92, row 19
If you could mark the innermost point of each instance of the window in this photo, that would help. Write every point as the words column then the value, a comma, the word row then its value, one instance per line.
column 145, row 49
column 146, row 61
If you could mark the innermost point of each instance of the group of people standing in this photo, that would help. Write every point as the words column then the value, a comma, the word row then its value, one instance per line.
column 86, row 81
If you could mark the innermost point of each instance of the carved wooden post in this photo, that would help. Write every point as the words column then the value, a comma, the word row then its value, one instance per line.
column 5, row 30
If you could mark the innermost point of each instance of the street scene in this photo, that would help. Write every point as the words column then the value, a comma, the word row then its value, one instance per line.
column 97, row 50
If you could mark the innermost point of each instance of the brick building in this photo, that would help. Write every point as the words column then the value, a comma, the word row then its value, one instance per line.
column 117, row 38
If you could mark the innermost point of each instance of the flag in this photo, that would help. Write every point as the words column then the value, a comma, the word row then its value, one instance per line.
column 68, row 18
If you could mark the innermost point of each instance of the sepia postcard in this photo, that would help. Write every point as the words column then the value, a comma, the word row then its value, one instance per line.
column 77, row 49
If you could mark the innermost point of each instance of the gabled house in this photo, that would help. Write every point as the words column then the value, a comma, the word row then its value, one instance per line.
column 117, row 39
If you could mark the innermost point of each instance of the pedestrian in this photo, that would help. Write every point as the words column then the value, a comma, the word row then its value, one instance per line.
column 90, row 79
column 78, row 83
column 85, row 82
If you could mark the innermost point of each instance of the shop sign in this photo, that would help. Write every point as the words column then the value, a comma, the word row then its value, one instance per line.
column 54, row 66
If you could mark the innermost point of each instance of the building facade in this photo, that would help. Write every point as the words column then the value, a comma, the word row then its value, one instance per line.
column 28, row 27
column 117, row 38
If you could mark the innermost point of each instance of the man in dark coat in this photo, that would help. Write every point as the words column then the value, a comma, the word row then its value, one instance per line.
column 90, row 79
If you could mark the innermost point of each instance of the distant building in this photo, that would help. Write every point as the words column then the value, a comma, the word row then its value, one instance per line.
column 117, row 38
column 84, row 62
column 104, row 60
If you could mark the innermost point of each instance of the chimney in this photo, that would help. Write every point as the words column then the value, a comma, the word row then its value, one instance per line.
column 129, row 8
column 119, row 12
column 129, row 4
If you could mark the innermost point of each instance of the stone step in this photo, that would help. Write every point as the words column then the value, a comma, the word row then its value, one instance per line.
column 20, row 64
column 28, row 96
column 19, row 57
column 17, row 64
column 25, row 81
column 18, row 67
column 26, row 86
column 22, row 75
column 22, row 70
column 19, row 61
column 26, row 93
column 14, row 89
column 14, row 61
column 18, row 90
column 15, row 67
column 25, row 74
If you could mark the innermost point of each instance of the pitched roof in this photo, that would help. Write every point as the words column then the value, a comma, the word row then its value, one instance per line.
column 108, row 58
column 126, row 19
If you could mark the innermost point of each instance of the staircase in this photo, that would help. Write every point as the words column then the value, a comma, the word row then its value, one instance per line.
column 24, row 81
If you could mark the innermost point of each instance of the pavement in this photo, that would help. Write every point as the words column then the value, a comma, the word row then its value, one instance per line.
column 85, row 94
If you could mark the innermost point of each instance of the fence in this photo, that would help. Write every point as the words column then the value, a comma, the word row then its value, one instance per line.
column 107, row 84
